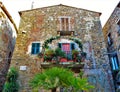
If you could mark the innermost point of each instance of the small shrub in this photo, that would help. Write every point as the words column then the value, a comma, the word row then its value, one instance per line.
column 49, row 54
column 11, row 84
column 59, row 52
column 75, row 52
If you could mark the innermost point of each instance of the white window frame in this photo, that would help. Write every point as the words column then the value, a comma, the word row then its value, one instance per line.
column 30, row 46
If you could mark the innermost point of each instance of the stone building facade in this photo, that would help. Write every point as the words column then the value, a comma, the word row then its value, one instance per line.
column 111, row 32
column 7, row 42
column 37, row 25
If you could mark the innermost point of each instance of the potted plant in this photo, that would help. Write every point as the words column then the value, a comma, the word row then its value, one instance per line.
column 49, row 54
column 75, row 54
column 59, row 54
column 83, row 55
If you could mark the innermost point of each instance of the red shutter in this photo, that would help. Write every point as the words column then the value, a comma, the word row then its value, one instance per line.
column 66, row 47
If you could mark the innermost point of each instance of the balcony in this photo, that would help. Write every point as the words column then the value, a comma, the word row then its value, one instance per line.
column 75, row 66
column 65, row 33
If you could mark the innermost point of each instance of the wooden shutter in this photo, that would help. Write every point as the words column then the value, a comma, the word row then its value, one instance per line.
column 59, row 45
column 37, row 48
column 72, row 46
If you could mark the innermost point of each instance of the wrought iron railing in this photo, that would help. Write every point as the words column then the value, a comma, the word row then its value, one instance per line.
column 68, row 55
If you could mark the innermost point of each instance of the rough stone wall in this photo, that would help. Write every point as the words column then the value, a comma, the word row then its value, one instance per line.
column 7, row 43
column 43, row 23
column 112, row 27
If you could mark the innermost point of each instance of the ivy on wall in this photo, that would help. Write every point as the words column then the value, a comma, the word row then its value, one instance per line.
column 49, row 40
column 46, row 42
column 76, row 40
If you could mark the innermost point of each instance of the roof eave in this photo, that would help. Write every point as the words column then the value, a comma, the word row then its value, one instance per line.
column 9, row 16
column 20, row 12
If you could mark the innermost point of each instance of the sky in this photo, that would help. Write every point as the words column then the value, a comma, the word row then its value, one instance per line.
column 105, row 7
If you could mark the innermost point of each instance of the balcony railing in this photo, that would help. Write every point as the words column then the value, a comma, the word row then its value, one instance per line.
column 75, row 66
column 65, row 33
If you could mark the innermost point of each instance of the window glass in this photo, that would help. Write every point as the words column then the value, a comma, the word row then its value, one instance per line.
column 114, row 62
column 109, row 38
column 67, row 48
column 35, row 48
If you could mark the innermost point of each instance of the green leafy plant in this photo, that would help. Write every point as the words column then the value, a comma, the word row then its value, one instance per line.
column 11, row 84
column 75, row 52
column 49, row 40
column 49, row 54
column 75, row 56
column 59, row 52
column 55, row 77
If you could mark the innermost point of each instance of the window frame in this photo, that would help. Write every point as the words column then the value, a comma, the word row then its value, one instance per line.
column 67, row 27
column 109, row 39
column 68, row 53
column 35, row 48
column 114, row 62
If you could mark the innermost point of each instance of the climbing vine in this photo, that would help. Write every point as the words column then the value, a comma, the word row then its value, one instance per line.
column 46, row 42
column 46, row 46
column 76, row 40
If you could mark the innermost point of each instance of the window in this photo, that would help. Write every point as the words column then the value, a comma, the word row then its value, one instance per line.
column 114, row 62
column 35, row 49
column 65, row 24
column 109, row 39
column 67, row 48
